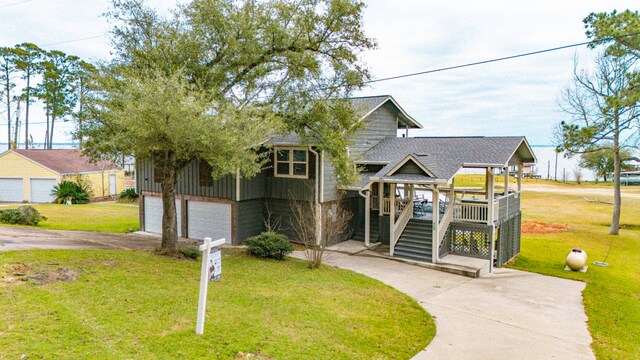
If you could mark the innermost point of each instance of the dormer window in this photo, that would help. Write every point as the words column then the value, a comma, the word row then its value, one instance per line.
column 291, row 162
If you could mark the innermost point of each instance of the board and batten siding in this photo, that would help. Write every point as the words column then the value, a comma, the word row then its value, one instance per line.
column 249, row 221
column 381, row 123
column 188, row 182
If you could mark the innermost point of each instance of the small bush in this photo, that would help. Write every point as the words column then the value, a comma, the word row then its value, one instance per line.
column 69, row 190
column 269, row 245
column 24, row 215
column 129, row 195
column 190, row 253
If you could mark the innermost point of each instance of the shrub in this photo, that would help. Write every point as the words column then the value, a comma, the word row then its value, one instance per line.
column 190, row 253
column 69, row 190
column 24, row 215
column 269, row 245
column 129, row 195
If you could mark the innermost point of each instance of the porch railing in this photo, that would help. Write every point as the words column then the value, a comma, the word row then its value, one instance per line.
column 470, row 212
column 401, row 204
column 442, row 227
column 375, row 202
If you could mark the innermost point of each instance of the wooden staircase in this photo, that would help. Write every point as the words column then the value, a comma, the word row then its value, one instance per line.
column 373, row 232
column 415, row 243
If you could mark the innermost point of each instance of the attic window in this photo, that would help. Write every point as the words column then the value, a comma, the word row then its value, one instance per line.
column 291, row 162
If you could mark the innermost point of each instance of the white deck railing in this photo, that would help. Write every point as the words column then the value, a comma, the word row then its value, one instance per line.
column 375, row 202
column 470, row 212
column 443, row 226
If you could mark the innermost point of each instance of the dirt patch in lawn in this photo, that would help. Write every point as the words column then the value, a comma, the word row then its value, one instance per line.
column 538, row 227
column 20, row 273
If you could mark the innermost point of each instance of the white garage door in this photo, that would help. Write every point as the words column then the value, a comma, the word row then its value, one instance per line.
column 11, row 190
column 41, row 190
column 209, row 219
column 153, row 214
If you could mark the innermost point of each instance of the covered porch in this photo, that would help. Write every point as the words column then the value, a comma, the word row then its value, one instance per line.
column 419, row 213
column 428, row 220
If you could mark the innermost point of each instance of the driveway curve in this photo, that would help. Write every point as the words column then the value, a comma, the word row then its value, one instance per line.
column 16, row 238
column 508, row 314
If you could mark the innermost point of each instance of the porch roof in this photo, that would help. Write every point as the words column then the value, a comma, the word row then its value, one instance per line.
column 442, row 157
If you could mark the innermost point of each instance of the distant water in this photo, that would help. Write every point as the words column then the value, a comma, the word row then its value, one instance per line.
column 41, row 146
column 546, row 166
column 565, row 166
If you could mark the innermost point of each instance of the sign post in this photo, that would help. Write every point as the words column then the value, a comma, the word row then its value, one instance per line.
column 211, row 271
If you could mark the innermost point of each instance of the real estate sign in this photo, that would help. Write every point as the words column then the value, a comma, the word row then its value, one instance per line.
column 211, row 271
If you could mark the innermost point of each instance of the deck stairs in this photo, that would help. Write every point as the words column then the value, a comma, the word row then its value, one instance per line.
column 373, row 232
column 415, row 243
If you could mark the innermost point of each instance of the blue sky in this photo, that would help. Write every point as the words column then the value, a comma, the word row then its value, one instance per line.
column 515, row 97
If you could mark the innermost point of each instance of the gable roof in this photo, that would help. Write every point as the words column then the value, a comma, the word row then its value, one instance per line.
column 444, row 156
column 363, row 107
column 65, row 161
column 366, row 105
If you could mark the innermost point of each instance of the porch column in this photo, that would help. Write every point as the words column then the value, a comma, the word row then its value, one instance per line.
column 392, row 215
column 412, row 195
column 519, row 177
column 492, row 228
column 367, row 218
column 380, row 197
column 506, row 180
column 452, row 194
column 436, row 223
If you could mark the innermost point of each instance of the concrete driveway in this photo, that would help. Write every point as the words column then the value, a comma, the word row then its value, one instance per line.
column 13, row 238
column 509, row 314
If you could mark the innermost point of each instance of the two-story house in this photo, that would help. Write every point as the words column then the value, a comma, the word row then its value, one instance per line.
column 406, row 199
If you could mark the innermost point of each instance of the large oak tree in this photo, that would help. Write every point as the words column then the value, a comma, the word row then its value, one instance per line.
column 218, row 78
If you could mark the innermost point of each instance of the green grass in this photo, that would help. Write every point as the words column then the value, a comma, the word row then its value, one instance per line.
column 138, row 305
column 105, row 217
column 612, row 294
column 477, row 180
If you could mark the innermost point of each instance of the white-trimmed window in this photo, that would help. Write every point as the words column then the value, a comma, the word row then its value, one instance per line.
column 291, row 162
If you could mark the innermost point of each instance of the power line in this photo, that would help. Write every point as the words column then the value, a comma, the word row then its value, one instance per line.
column 74, row 40
column 493, row 60
column 15, row 3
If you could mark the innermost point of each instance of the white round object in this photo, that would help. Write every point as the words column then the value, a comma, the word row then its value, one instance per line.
column 576, row 259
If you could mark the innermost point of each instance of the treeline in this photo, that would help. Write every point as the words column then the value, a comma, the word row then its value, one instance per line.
column 32, row 76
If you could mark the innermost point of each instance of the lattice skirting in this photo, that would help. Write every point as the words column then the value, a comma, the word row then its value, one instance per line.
column 467, row 240
column 509, row 239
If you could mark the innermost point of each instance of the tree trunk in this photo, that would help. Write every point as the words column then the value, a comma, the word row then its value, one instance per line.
column 53, row 120
column 617, row 199
column 26, row 115
column 46, row 134
column 169, row 226
column 8, row 90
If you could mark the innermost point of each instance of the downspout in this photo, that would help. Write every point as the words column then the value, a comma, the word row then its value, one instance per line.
column 316, row 199
column 367, row 217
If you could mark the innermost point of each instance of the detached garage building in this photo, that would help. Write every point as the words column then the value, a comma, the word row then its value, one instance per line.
column 30, row 175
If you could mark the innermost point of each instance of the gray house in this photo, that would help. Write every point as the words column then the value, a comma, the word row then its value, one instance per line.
column 406, row 199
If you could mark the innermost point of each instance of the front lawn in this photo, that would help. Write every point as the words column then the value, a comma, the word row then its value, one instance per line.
column 137, row 305
column 612, row 295
column 105, row 217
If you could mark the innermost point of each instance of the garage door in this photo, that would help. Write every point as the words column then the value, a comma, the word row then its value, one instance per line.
column 209, row 219
column 41, row 190
column 11, row 190
column 153, row 214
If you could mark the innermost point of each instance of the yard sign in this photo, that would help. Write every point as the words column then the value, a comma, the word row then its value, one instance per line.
column 211, row 271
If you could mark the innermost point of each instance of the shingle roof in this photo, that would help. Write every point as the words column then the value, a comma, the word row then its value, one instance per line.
column 362, row 106
column 65, row 161
column 444, row 156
